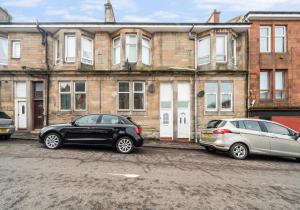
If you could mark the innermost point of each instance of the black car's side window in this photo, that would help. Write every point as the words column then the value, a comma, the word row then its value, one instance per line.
column 110, row 119
column 87, row 120
column 276, row 129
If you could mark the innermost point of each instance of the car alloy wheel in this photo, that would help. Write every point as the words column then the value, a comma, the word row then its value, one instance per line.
column 239, row 151
column 125, row 145
column 52, row 141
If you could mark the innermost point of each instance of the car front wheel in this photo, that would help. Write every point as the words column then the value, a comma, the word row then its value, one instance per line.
column 53, row 141
column 239, row 151
column 125, row 145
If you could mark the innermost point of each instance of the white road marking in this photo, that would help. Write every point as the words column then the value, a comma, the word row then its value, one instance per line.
column 126, row 175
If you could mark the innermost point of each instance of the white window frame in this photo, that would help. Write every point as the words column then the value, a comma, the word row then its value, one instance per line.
column 67, row 58
column 143, row 92
column 225, row 48
column 225, row 93
column 148, row 48
column 268, row 38
column 79, row 92
column 234, row 53
column 268, row 84
column 129, row 87
column 85, row 60
column 129, row 44
column 216, row 97
column 5, row 60
column 65, row 93
column 283, row 37
column 283, row 85
column 13, row 53
column 115, row 61
column 57, row 52
column 209, row 50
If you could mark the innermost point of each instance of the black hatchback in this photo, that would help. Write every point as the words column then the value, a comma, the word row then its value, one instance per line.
column 95, row 129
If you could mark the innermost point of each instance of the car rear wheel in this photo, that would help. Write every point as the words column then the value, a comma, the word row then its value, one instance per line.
column 53, row 141
column 125, row 145
column 239, row 151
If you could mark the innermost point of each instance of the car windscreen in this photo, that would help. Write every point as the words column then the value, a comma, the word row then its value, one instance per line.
column 4, row 116
column 216, row 124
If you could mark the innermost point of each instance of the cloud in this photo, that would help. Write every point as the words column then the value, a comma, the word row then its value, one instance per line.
column 22, row 3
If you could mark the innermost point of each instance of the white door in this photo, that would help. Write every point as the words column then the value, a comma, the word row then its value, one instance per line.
column 166, row 110
column 183, row 110
column 22, row 119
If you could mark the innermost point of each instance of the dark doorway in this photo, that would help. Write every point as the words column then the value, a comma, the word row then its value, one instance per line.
column 38, row 105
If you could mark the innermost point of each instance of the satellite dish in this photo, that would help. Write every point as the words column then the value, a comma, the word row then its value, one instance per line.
column 201, row 94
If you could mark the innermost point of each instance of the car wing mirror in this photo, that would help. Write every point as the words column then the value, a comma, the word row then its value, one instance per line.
column 73, row 123
column 296, row 136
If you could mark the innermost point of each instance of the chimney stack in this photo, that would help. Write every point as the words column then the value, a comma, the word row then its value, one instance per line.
column 4, row 16
column 109, row 12
column 214, row 17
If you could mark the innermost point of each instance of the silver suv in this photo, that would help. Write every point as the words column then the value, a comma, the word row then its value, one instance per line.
column 241, row 137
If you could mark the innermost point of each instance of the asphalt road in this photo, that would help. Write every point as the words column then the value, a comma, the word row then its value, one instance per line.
column 77, row 177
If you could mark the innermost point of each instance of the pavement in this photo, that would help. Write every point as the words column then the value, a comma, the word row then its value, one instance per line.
column 147, row 143
column 91, row 177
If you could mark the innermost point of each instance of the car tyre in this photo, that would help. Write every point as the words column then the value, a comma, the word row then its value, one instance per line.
column 52, row 141
column 298, row 160
column 125, row 145
column 239, row 151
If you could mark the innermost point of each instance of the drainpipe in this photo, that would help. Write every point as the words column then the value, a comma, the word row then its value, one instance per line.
column 193, row 36
column 45, row 34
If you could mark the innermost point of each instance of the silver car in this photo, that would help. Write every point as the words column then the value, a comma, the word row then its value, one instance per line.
column 7, row 127
column 241, row 137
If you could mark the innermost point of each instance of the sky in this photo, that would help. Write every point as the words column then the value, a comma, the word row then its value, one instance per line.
column 139, row 10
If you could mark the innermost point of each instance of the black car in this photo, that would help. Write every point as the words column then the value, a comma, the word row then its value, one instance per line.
column 95, row 129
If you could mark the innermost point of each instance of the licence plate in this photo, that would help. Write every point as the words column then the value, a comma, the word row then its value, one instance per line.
column 206, row 135
column 3, row 130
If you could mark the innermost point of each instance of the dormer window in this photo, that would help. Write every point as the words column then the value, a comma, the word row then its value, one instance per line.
column 3, row 51
column 221, row 48
column 131, row 48
column 87, row 48
column 70, row 48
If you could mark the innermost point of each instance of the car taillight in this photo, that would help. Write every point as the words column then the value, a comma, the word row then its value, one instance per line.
column 222, row 131
column 138, row 131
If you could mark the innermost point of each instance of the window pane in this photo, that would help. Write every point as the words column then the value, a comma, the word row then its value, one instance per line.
column 109, row 119
column 279, row 44
column 204, row 51
column 65, row 101
column 80, row 101
column 264, row 80
column 211, row 101
column 138, row 87
column 87, row 50
column 70, row 48
column 88, row 120
column 265, row 37
column 124, row 101
column 116, row 51
column 211, row 87
column 277, row 129
column 16, row 49
column 221, row 48
column 38, row 90
column 138, row 100
column 65, row 87
column 280, row 31
column 123, row 87
column 3, row 51
column 264, row 44
column 226, row 87
column 226, row 101
column 79, row 86
column 252, row 125
column 279, row 80
column 131, row 47
column 264, row 32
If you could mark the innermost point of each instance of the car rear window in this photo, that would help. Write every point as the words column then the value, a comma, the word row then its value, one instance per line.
column 4, row 116
column 216, row 124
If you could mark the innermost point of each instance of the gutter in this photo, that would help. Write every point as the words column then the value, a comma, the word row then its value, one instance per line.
column 194, row 37
column 45, row 34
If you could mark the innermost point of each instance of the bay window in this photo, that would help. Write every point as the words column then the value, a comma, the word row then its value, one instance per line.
column 65, row 96
column 138, row 95
column 116, row 51
column 3, row 51
column 204, row 51
column 265, row 39
column 221, row 48
column 87, row 48
column 124, row 95
column 211, row 91
column 131, row 48
column 16, row 49
column 280, row 39
column 80, row 95
column 279, row 85
column 70, row 48
column 146, row 51
column 264, row 85
column 226, row 96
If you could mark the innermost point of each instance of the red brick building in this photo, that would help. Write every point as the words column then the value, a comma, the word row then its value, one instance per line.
column 274, row 67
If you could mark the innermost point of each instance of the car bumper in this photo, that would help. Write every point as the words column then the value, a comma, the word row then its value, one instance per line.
column 139, row 141
column 7, row 131
column 216, row 144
